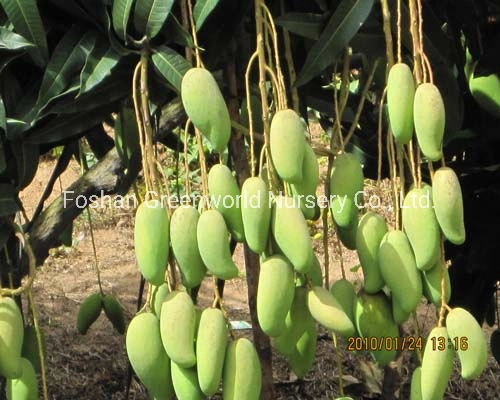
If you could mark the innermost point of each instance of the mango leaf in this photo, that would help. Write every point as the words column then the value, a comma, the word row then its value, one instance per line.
column 170, row 65
column 150, row 15
column 27, row 22
column 11, row 41
column 15, row 129
column 307, row 25
column 8, row 203
column 175, row 32
column 26, row 156
column 342, row 26
column 202, row 10
column 121, row 14
column 100, row 62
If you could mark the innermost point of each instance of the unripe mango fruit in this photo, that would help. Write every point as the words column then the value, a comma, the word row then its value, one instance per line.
column 30, row 349
column 211, row 345
column 347, row 235
column 437, row 364
column 183, row 225
column 26, row 386
column 448, row 204
column 88, row 312
column 256, row 213
column 185, row 381
column 398, row 314
column 114, row 312
column 287, row 144
column 303, row 355
column 213, row 244
column 461, row 324
column 398, row 268
column 291, row 233
column 431, row 284
column 11, row 338
column 400, row 96
column 177, row 328
column 242, row 378
column 205, row 107
column 371, row 229
column 343, row 290
column 416, row 384
column 346, row 177
column 327, row 310
column 224, row 193
column 421, row 226
column 147, row 356
column 315, row 273
column 151, row 238
column 429, row 119
column 486, row 91
column 160, row 293
column 373, row 317
column 274, row 294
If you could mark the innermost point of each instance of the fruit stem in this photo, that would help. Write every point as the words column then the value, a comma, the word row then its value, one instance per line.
column 386, row 14
column 289, row 60
column 339, row 363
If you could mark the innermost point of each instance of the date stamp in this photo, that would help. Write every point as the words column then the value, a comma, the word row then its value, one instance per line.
column 388, row 343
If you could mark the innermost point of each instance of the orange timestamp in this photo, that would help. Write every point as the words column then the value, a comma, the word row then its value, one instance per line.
column 388, row 343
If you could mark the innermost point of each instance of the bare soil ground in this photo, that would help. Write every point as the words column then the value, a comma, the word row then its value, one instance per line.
column 94, row 366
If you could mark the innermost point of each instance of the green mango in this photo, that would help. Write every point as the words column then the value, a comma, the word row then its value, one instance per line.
column 371, row 229
column 400, row 96
column 274, row 294
column 416, row 384
column 302, row 358
column 211, row 344
column 328, row 311
column 346, row 177
column 30, row 349
column 224, row 197
column 11, row 338
column 448, row 204
column 486, row 92
column 306, row 188
column 291, row 233
column 242, row 376
column 160, row 293
column 429, row 118
column 431, row 284
column 213, row 244
column 183, row 225
column 177, row 328
column 343, row 290
column 421, row 226
column 398, row 314
column 437, row 364
column 344, row 212
column 114, row 312
column 398, row 268
column 26, row 386
column 315, row 273
column 471, row 347
column 373, row 316
column 287, row 145
column 151, row 238
column 185, row 381
column 256, row 213
column 147, row 355
column 88, row 312
column 205, row 107
column 347, row 235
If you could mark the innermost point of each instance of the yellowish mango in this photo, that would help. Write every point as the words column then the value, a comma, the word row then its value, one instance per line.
column 343, row 290
column 346, row 177
column 304, row 352
column 400, row 96
column 160, row 293
column 305, row 190
column 26, row 386
column 185, row 382
column 416, row 384
column 431, row 284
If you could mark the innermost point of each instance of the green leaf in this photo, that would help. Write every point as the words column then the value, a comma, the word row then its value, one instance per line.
column 27, row 22
column 307, row 25
column 170, row 65
column 8, row 197
column 202, row 10
column 12, row 41
column 26, row 156
column 121, row 14
column 150, row 15
column 100, row 62
column 342, row 26
column 175, row 32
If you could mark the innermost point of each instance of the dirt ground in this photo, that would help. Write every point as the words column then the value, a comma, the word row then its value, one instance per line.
column 94, row 366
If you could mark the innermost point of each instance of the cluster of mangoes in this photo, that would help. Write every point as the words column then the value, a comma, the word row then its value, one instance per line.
column 90, row 309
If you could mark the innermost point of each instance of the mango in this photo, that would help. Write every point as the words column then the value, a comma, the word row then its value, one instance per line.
column 160, row 293
column 213, row 244
column 437, row 364
column 151, row 238
column 416, row 384
column 398, row 268
column 346, row 176
column 224, row 194
column 183, row 225
column 88, row 312
column 371, row 229
column 400, row 96
column 343, row 290
column 448, row 204
column 429, row 119
column 11, row 338
column 177, row 328
column 431, row 284
column 114, row 312
column 344, row 211
column 185, row 381
column 287, row 145
column 472, row 348
column 256, row 213
column 147, row 356
column 373, row 317
column 302, row 358
column 485, row 90
column 26, row 386
column 291, row 233
column 205, row 107
column 421, row 226
column 242, row 379
column 315, row 273
column 398, row 314
column 274, row 294
column 30, row 347
column 327, row 311
column 211, row 349
column 347, row 235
